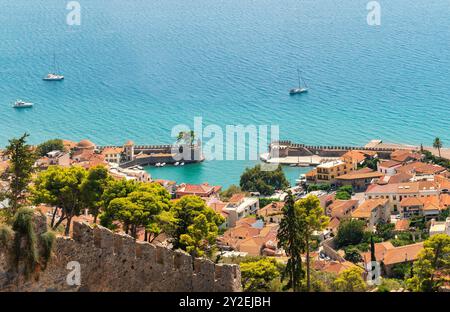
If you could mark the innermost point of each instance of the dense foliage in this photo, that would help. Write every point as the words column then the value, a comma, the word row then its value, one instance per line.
column 195, row 225
column 350, row 232
column 48, row 146
column 432, row 268
column 19, row 172
column 259, row 275
column 291, row 240
column 265, row 182
column 350, row 280
column 319, row 187
column 229, row 192
column 344, row 192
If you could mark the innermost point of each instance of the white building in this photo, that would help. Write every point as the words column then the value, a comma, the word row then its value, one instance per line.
column 239, row 206
column 440, row 227
column 388, row 167
column 130, row 174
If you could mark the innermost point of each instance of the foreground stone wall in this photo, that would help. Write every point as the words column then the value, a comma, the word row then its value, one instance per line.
column 116, row 262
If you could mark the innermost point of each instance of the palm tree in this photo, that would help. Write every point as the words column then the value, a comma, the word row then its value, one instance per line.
column 438, row 144
column 187, row 137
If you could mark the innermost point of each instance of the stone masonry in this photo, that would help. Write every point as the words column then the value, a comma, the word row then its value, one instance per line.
column 116, row 262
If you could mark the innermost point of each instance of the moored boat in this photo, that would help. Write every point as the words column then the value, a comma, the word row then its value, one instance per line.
column 22, row 104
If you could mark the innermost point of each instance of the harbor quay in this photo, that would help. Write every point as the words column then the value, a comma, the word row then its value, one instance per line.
column 286, row 152
column 131, row 155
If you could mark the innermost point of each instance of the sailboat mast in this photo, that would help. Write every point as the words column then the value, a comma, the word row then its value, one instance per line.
column 55, row 66
column 299, row 81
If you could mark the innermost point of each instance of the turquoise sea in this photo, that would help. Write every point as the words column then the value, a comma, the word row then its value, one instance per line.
column 134, row 69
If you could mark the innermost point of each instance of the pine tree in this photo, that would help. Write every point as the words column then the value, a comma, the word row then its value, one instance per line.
column 290, row 239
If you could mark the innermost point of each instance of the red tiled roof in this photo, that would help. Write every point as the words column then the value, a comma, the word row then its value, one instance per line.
column 402, row 225
column 341, row 208
column 365, row 209
column 421, row 168
column 236, row 198
column 389, row 163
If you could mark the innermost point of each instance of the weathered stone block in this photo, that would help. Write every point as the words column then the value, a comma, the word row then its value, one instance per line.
column 146, row 251
column 204, row 276
column 82, row 233
column 103, row 238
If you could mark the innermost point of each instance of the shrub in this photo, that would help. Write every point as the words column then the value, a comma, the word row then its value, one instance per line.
column 23, row 226
column 350, row 232
column 48, row 240
column 6, row 234
column 389, row 284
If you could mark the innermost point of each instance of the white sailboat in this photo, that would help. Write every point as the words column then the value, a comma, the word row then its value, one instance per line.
column 300, row 89
column 54, row 76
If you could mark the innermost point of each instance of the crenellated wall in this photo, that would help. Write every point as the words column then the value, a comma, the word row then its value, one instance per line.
column 116, row 262
column 287, row 148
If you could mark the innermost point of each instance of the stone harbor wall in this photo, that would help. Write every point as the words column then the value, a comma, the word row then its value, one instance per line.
column 116, row 262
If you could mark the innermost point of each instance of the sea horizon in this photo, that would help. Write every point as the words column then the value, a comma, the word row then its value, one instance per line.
column 136, row 70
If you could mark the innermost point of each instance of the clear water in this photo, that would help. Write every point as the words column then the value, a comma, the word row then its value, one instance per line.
column 136, row 68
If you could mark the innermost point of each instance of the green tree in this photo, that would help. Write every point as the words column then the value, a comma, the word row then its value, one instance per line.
column 200, row 237
column 437, row 143
column 385, row 230
column 389, row 284
column 135, row 205
column 350, row 232
column 51, row 145
column 19, row 172
column 93, row 188
column 432, row 265
column 185, row 212
column 229, row 192
column 343, row 196
column 316, row 187
column 258, row 275
column 186, row 137
column 265, row 182
column 344, row 192
column 116, row 189
column 352, row 254
column 312, row 218
column 350, row 280
column 290, row 239
column 264, row 201
column 61, row 187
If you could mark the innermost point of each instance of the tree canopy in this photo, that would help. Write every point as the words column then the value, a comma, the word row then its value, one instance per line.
column 19, row 172
column 195, row 225
column 432, row 267
column 311, row 217
column 135, row 205
column 344, row 192
column 350, row 280
column 258, row 275
column 265, row 182
column 61, row 187
column 48, row 146
column 291, row 240
column 350, row 232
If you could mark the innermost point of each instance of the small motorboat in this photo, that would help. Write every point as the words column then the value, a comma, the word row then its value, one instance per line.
column 53, row 77
column 22, row 104
column 182, row 164
column 176, row 164
column 158, row 165
column 163, row 164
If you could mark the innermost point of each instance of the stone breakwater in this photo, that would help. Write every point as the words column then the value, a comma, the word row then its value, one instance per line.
column 116, row 262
